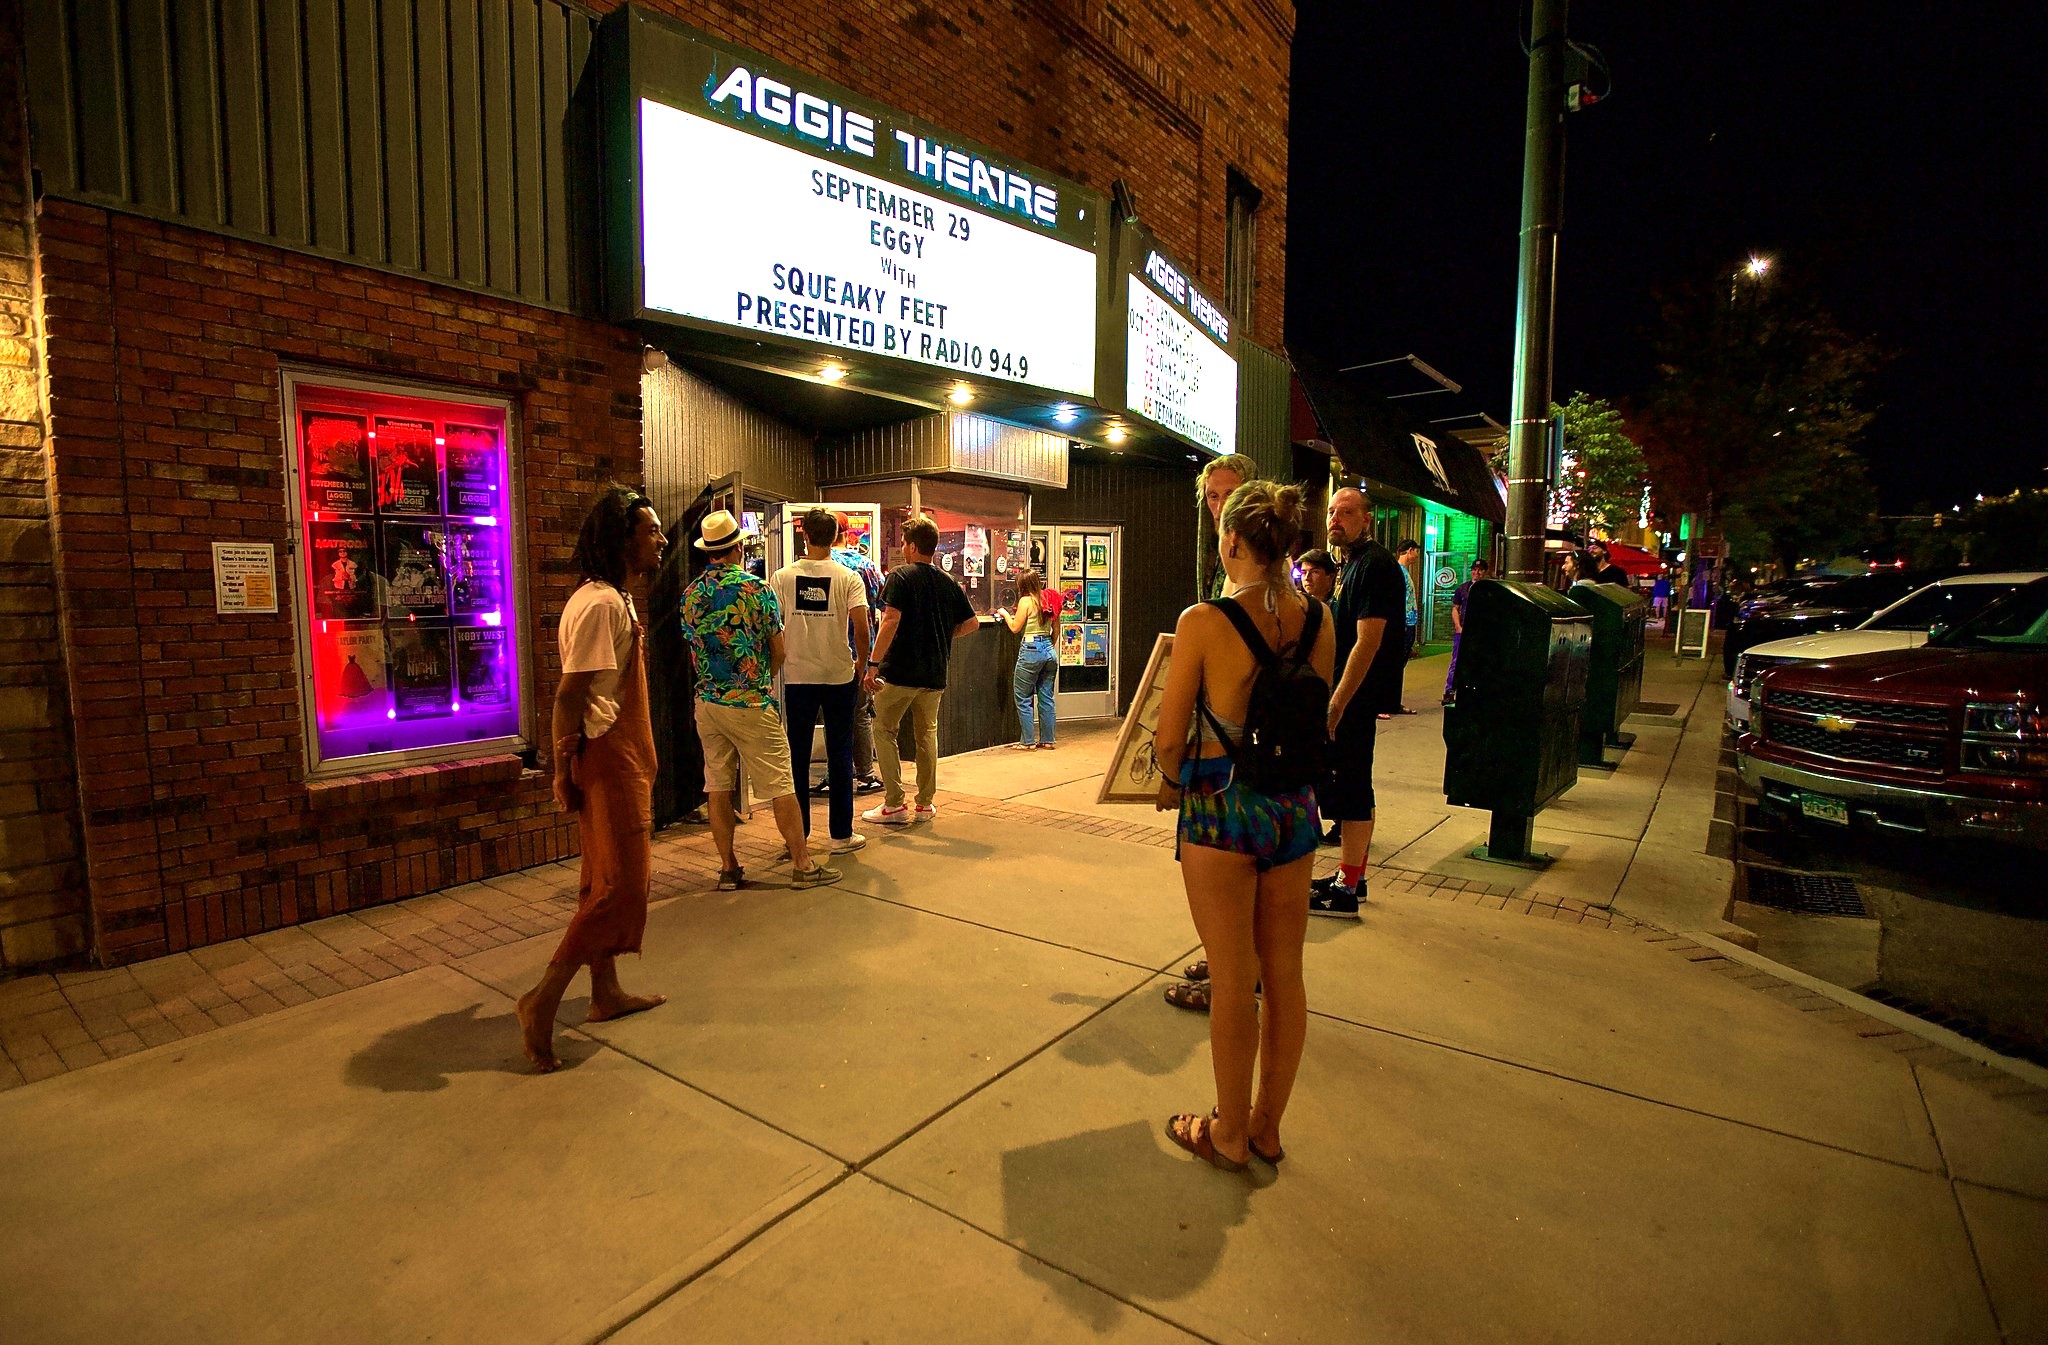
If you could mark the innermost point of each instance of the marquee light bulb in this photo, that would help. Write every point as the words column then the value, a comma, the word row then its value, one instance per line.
column 961, row 394
column 1065, row 414
column 832, row 373
column 1116, row 434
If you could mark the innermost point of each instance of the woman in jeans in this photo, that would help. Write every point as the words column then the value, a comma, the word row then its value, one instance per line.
column 1244, row 856
column 1036, row 662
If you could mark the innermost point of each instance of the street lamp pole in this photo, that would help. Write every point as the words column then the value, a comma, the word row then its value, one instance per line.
column 1536, row 307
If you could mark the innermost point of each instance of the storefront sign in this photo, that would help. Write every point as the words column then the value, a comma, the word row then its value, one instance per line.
column 244, row 577
column 778, row 207
column 1180, row 372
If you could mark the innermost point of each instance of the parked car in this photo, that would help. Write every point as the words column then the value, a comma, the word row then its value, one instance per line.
column 1949, row 740
column 1816, row 606
column 1905, row 624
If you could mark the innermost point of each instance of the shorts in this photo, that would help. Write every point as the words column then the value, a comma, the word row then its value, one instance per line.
column 1346, row 795
column 744, row 736
column 1221, row 814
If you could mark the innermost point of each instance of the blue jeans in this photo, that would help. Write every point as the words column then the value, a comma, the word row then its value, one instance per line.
column 1036, row 666
column 804, row 702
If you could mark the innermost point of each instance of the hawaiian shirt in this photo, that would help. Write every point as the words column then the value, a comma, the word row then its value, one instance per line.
column 870, row 578
column 729, row 617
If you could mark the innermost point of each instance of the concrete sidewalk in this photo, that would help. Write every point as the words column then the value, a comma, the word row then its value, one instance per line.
column 925, row 1105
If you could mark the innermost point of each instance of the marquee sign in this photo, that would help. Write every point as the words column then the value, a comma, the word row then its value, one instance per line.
column 1180, row 366
column 766, row 204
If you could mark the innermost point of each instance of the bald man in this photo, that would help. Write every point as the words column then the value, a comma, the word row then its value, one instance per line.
column 1371, row 618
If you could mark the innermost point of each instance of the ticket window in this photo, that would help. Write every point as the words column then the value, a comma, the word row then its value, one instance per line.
column 1085, row 564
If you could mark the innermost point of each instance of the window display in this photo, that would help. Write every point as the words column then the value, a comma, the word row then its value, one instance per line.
column 405, row 519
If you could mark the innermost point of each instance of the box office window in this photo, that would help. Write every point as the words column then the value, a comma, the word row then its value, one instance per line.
column 410, row 619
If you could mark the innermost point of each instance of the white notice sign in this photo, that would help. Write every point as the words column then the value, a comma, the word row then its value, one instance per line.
column 766, row 240
column 1176, row 376
column 244, row 577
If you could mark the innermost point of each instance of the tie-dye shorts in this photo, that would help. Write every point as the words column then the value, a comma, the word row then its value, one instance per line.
column 1221, row 814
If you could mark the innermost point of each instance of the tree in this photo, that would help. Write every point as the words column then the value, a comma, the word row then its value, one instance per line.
column 1603, row 473
column 1754, row 415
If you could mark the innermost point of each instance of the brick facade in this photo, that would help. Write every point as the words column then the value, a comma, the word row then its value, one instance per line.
column 42, row 889
column 164, row 350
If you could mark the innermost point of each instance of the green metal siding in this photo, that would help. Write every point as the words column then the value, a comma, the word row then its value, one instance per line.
column 424, row 136
column 1263, row 388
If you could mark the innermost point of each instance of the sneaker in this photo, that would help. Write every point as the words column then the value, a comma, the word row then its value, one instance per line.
column 815, row 876
column 1328, row 896
column 843, row 844
column 925, row 812
column 899, row 816
column 866, row 784
column 730, row 880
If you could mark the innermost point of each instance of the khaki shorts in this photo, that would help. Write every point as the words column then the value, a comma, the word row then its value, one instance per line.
column 749, row 736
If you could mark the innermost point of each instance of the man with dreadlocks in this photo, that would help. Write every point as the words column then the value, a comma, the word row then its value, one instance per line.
column 604, row 766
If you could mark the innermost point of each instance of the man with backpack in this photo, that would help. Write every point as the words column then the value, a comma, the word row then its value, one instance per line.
column 1370, row 616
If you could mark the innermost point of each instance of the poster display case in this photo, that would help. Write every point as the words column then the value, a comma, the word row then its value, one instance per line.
column 1085, row 569
column 405, row 527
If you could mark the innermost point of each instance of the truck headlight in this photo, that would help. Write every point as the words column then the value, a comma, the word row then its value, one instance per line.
column 2005, row 758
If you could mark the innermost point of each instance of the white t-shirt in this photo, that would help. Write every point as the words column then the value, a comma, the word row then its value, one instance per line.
column 597, row 637
column 817, row 597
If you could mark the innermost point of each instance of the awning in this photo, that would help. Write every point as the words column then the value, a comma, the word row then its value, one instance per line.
column 1635, row 560
column 1376, row 438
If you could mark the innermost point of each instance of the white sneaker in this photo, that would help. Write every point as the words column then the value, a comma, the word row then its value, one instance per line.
column 899, row 816
column 925, row 812
column 842, row 844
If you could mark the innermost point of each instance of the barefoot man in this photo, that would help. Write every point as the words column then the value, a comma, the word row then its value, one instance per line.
column 604, row 766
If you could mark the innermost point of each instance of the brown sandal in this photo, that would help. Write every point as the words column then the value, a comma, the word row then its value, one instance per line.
column 1182, row 1130
column 1197, row 970
column 1190, row 995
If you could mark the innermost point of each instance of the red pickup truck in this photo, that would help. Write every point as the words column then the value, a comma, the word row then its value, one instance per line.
column 1950, row 739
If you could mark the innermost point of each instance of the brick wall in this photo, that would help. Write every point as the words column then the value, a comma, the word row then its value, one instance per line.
column 1168, row 95
column 164, row 350
column 42, row 895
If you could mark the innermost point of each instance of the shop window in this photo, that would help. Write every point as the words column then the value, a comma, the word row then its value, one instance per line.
column 984, row 532
column 411, row 619
column 1241, row 244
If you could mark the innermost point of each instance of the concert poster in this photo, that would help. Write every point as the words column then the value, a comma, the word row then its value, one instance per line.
column 1070, row 644
column 1095, row 646
column 415, row 571
column 483, row 674
column 1070, row 558
column 419, row 660
column 476, row 569
column 343, row 566
column 1095, row 606
column 472, row 470
column 408, row 468
column 1098, row 557
column 337, row 457
column 1070, row 600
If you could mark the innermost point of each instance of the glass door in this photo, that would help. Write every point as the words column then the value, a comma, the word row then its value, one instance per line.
column 1085, row 565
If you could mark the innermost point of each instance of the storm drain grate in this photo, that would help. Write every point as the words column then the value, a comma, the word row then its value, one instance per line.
column 1805, row 893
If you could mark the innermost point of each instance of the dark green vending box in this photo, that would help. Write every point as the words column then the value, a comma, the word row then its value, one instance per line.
column 1511, row 734
column 1614, row 678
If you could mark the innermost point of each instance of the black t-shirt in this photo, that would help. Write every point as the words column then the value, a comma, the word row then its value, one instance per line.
column 1612, row 574
column 932, row 605
column 1371, row 586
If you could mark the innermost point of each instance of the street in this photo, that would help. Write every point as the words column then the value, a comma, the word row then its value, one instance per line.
column 926, row 1104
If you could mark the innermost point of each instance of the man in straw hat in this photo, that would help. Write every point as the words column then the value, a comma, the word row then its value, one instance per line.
column 734, row 628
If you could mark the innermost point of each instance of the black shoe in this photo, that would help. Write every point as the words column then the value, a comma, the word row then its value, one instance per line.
column 1328, row 896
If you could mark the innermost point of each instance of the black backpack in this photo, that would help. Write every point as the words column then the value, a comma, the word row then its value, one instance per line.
column 1286, row 723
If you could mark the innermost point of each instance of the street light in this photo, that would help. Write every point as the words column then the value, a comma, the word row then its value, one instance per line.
column 1757, row 267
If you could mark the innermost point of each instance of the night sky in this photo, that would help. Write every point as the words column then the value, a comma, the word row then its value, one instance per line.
column 1881, row 150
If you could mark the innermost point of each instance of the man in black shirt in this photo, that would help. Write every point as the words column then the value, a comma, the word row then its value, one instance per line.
column 923, row 611
column 1372, row 600
column 1604, row 570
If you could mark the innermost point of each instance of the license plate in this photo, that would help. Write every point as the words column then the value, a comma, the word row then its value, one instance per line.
column 1821, row 808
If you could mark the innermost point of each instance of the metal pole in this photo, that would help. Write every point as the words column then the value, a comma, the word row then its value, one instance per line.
column 1536, row 309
